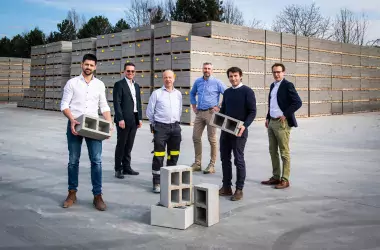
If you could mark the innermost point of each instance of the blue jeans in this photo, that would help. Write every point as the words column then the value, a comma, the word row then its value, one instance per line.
column 94, row 148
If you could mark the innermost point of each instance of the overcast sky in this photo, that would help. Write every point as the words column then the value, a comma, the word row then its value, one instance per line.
column 17, row 16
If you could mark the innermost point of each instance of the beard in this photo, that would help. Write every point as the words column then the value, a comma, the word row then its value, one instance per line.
column 87, row 72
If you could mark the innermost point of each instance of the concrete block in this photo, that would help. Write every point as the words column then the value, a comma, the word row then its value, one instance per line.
column 320, row 69
column 218, row 29
column 288, row 54
column 320, row 83
column 288, row 39
column 143, row 63
column 302, row 55
column 144, row 79
column 320, row 96
column 162, row 45
column 62, row 58
column 61, row 69
column 15, row 82
column 273, row 51
column 5, row 89
column 76, row 57
column 61, row 46
column 108, row 67
column 177, row 218
column 143, row 48
column 93, row 127
column 351, row 60
column 185, row 96
column 38, row 50
column 370, row 84
column 102, row 41
column 176, row 186
column 109, row 80
column 256, row 65
column 88, row 43
column 128, row 35
column 337, row 108
column 172, row 28
column 206, row 204
column 254, row 81
column 256, row 35
column 49, row 70
column 75, row 69
column 290, row 67
column 323, row 44
column 351, row 48
column 109, row 53
column 302, row 42
column 114, row 39
column 39, row 60
column 272, row 37
column 144, row 32
column 336, row 71
column 77, row 45
column 109, row 94
column 188, row 116
column 162, row 62
column 261, row 95
column 320, row 109
column 302, row 82
column 145, row 94
column 128, row 50
column 226, row 123
column 50, row 59
column 351, row 71
column 49, row 81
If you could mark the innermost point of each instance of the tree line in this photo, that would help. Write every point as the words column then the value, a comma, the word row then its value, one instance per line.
column 302, row 20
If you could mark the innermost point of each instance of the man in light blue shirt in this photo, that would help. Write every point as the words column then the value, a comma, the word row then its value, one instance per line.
column 208, row 89
column 164, row 113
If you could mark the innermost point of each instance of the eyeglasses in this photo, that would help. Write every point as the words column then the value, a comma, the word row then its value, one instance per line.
column 277, row 72
column 130, row 71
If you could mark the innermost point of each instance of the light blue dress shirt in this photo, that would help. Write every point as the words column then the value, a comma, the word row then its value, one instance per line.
column 165, row 106
column 208, row 92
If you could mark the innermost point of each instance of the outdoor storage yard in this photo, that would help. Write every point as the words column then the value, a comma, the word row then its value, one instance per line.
column 333, row 201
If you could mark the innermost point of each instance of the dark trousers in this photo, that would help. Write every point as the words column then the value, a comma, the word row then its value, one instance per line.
column 125, row 141
column 228, row 143
column 94, row 147
column 165, row 135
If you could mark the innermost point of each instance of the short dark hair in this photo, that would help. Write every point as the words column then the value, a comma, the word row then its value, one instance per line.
column 90, row 57
column 279, row 65
column 128, row 64
column 234, row 70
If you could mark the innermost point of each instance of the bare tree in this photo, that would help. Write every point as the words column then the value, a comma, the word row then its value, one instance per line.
column 139, row 14
column 349, row 28
column 256, row 24
column 232, row 14
column 303, row 20
column 375, row 43
column 75, row 19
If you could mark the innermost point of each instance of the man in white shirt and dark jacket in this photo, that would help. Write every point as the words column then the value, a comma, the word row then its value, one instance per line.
column 84, row 94
column 128, row 117
column 164, row 113
column 283, row 102
column 239, row 102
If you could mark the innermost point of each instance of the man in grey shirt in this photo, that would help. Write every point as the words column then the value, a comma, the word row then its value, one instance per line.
column 164, row 113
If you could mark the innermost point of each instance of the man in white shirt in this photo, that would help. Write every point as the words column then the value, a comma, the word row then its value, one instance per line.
column 128, row 117
column 84, row 94
column 164, row 113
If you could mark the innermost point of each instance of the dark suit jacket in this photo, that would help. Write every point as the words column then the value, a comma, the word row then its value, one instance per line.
column 123, row 103
column 288, row 101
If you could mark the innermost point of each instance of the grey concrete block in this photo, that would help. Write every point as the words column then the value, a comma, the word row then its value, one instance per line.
column 288, row 54
column 351, row 60
column 15, row 81
column 143, row 63
column 302, row 55
column 177, row 218
column 144, row 32
column 102, row 41
column 4, row 67
column 302, row 42
column 128, row 50
column 288, row 39
column 323, row 44
column 206, row 204
column 144, row 79
column 337, row 108
column 17, row 89
column 49, row 81
column 185, row 95
column 351, row 71
column 302, row 82
column 261, row 95
column 128, row 35
column 336, row 71
column 62, row 69
column 93, row 127
column 226, row 123
column 162, row 45
column 88, row 43
column 351, row 48
column 188, row 116
column 256, row 35
column 77, row 45
column 75, row 69
column 317, row 109
column 143, row 48
column 320, row 83
column 145, row 94
column 38, row 60
column 38, row 50
column 163, row 62
column 254, row 81
column 62, row 58
column 50, row 59
column 37, row 71
column 4, row 89
column 49, row 70
column 256, row 65
column 320, row 96
column 109, row 94
column 109, row 53
column 272, row 37
column 114, row 39
column 172, row 28
column 370, row 84
column 76, row 56
column 320, row 69
column 176, row 181
column 273, row 52
column 218, row 29
column 109, row 67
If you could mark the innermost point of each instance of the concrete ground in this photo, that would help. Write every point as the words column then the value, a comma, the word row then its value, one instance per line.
column 333, row 201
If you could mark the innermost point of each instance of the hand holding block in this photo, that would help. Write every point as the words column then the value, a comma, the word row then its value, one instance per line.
column 226, row 123
column 93, row 127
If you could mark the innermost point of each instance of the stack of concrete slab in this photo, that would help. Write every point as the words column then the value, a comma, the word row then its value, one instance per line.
column 108, row 53
column 34, row 96
column 137, row 48
column 80, row 48
column 57, row 72
column 14, row 78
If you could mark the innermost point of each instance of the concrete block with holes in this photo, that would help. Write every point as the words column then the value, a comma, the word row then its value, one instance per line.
column 206, row 204
column 176, row 186
column 93, row 127
column 226, row 123
column 177, row 218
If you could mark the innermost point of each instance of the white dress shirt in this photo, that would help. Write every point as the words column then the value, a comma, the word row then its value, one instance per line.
column 275, row 110
column 84, row 98
column 165, row 106
column 132, row 88
column 240, row 84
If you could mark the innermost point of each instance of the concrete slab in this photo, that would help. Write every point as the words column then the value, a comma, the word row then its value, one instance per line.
column 177, row 218
column 333, row 201
column 172, row 28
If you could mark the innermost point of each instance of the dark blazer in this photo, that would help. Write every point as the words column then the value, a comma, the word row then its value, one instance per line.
column 288, row 100
column 123, row 103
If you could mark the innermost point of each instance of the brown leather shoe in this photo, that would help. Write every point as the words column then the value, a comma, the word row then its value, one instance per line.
column 71, row 199
column 99, row 203
column 283, row 184
column 237, row 195
column 225, row 191
column 271, row 181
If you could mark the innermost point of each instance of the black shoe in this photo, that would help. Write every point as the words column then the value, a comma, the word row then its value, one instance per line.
column 130, row 171
column 119, row 175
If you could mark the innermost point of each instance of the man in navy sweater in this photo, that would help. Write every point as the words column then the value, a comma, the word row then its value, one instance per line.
column 239, row 102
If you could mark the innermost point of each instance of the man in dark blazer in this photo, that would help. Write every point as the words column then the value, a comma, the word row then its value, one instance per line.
column 128, row 116
column 283, row 102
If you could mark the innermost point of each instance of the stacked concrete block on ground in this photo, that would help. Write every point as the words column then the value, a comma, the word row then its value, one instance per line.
column 206, row 204
column 80, row 48
column 14, row 78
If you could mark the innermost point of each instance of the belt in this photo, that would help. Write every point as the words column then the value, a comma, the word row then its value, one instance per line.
column 205, row 109
column 166, row 124
column 272, row 118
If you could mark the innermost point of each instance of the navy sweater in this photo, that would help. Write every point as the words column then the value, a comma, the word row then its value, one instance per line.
column 240, row 104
